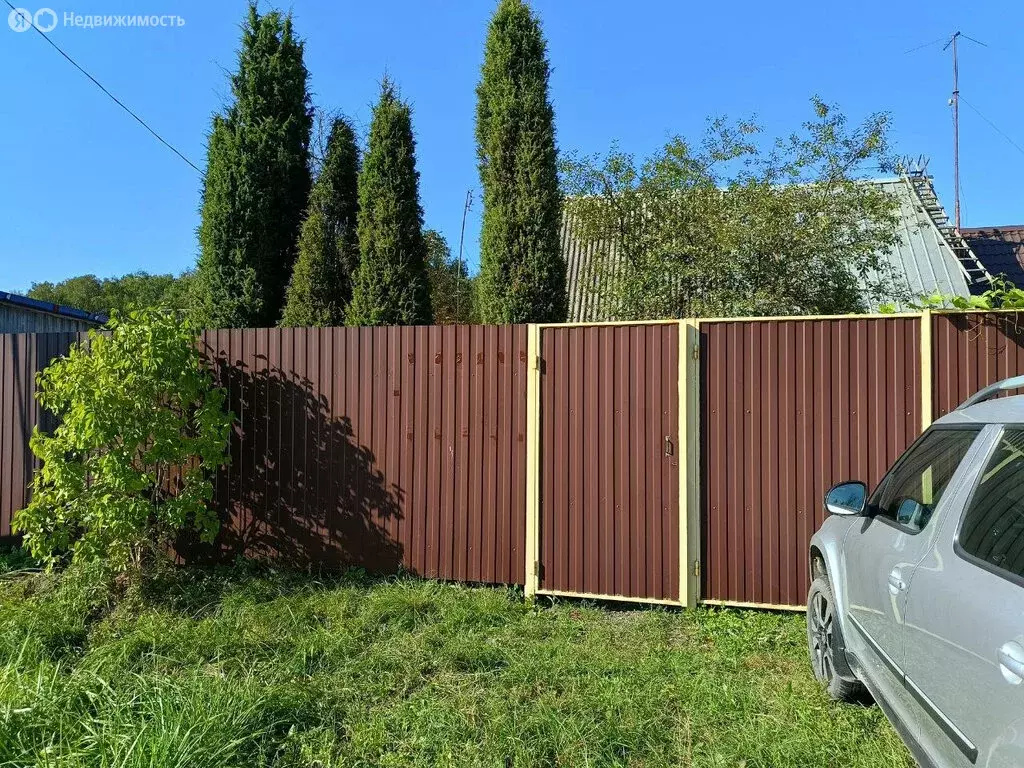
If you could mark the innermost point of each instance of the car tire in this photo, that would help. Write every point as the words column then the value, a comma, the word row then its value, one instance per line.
column 824, row 640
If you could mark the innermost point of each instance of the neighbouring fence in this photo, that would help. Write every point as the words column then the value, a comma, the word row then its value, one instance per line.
column 664, row 462
column 22, row 355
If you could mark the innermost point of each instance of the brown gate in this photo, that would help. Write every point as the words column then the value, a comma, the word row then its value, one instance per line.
column 609, row 458
column 790, row 407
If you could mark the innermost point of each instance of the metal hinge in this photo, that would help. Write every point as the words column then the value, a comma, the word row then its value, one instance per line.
column 696, row 351
column 696, row 567
column 538, row 569
column 536, row 363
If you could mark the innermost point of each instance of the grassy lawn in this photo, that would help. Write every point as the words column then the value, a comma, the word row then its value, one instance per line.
column 253, row 668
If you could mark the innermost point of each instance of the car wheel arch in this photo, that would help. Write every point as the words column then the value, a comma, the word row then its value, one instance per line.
column 823, row 563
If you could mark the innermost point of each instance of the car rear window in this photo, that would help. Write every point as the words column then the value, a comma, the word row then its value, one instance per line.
column 992, row 531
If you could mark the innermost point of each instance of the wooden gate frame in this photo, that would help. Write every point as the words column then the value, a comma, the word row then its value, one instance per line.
column 689, row 439
column 689, row 465
column 927, row 413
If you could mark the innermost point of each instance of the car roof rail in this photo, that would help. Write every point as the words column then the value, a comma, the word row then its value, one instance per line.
column 992, row 390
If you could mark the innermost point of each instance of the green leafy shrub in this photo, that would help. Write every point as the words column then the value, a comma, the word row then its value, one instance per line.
column 142, row 427
column 1002, row 294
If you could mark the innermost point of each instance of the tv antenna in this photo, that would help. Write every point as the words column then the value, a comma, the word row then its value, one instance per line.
column 954, row 102
column 463, row 272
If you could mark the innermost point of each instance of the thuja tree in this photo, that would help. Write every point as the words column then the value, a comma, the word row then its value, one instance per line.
column 257, row 181
column 391, row 286
column 321, row 284
column 522, row 272
column 141, row 428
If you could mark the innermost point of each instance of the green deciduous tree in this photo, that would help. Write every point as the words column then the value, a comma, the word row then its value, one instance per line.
column 321, row 284
column 104, row 295
column 522, row 272
column 452, row 293
column 129, row 466
column 391, row 286
column 731, row 228
column 257, row 182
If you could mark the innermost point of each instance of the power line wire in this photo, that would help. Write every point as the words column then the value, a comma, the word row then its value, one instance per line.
column 925, row 45
column 994, row 127
column 99, row 85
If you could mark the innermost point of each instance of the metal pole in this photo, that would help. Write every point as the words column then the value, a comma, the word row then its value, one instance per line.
column 463, row 272
column 956, row 135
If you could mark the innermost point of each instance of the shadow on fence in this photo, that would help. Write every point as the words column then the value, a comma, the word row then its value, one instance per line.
column 300, row 490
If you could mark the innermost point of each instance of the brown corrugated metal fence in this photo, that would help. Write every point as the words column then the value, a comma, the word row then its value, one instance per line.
column 609, row 505
column 380, row 447
column 22, row 355
column 407, row 447
column 789, row 408
column 970, row 351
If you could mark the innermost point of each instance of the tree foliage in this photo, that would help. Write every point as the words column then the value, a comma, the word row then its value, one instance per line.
column 730, row 228
column 522, row 272
column 141, row 428
column 452, row 292
column 321, row 283
column 137, row 290
column 391, row 286
column 257, row 181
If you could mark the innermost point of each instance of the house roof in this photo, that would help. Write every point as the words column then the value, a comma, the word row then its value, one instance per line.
column 923, row 259
column 1000, row 249
column 34, row 305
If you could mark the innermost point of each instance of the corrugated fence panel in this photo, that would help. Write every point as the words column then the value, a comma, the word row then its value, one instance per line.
column 788, row 409
column 971, row 351
column 609, row 483
column 22, row 355
column 388, row 447
column 377, row 447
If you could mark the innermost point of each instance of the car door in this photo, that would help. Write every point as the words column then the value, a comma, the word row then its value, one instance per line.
column 883, row 550
column 965, row 619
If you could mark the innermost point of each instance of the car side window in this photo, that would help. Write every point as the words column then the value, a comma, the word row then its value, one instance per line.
column 993, row 525
column 910, row 492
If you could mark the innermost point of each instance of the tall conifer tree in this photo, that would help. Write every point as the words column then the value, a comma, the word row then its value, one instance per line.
column 522, row 271
column 257, row 182
column 321, row 284
column 391, row 286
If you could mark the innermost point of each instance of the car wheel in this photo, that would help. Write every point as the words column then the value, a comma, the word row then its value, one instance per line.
column 824, row 640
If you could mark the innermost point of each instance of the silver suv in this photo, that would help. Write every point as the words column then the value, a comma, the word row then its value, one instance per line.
column 918, row 591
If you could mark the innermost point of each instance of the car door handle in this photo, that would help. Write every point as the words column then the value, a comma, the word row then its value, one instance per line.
column 1011, row 663
column 896, row 582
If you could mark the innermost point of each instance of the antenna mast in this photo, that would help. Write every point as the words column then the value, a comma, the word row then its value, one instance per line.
column 463, row 272
column 955, row 101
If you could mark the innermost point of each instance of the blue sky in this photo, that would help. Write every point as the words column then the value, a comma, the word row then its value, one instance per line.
column 83, row 188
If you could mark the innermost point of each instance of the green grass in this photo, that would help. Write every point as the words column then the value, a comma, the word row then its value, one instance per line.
column 248, row 668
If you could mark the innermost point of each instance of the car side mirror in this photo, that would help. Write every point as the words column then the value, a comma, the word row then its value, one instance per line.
column 846, row 498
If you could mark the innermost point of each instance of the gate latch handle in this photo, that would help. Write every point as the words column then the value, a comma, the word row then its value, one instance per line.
column 669, row 448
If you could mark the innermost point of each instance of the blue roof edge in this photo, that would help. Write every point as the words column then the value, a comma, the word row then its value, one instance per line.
column 53, row 309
